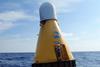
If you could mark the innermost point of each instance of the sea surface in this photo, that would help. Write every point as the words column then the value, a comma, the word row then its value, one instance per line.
column 83, row 59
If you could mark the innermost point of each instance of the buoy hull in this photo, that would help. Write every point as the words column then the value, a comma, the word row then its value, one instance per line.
column 52, row 50
column 70, row 63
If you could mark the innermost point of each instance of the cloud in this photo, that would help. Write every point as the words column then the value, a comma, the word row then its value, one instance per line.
column 65, row 6
column 14, row 16
column 70, row 36
column 5, row 25
column 98, row 20
column 10, row 5
column 67, row 34
column 17, row 45
column 7, row 19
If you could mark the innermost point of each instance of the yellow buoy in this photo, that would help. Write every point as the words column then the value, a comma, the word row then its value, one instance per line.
column 51, row 47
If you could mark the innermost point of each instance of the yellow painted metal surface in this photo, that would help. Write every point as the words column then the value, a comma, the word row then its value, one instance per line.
column 49, row 36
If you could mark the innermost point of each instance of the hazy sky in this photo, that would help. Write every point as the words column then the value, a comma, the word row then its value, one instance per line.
column 79, row 21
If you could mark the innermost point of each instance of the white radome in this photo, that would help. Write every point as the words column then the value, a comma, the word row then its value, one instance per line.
column 47, row 11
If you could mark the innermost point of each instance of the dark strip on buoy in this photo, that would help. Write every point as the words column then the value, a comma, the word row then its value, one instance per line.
column 70, row 63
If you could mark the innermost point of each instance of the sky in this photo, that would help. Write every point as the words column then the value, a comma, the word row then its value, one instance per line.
column 79, row 21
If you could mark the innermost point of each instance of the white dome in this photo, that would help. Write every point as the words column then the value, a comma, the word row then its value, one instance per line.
column 47, row 11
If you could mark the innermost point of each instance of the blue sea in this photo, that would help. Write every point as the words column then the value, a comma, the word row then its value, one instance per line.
column 83, row 59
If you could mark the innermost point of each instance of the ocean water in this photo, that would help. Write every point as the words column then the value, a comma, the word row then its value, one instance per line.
column 83, row 59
